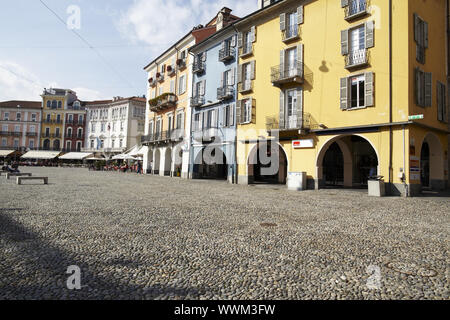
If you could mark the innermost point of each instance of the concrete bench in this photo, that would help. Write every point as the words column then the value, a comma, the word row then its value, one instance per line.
column 20, row 179
column 17, row 174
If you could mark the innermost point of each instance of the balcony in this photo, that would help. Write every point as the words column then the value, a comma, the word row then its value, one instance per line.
column 164, row 136
column 159, row 77
column 292, row 127
column 197, row 101
column 152, row 82
column 198, row 66
column 4, row 133
column 246, row 50
column 181, row 64
column 224, row 93
column 357, row 58
column 47, row 121
column 290, row 73
column 164, row 101
column 356, row 9
column 17, row 133
column 291, row 33
column 171, row 71
column 245, row 86
column 226, row 54
column 31, row 134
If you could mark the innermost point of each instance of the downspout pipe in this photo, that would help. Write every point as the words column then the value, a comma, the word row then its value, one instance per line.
column 390, row 99
column 191, row 127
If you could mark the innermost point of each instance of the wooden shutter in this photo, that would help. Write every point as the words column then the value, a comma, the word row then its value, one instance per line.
column 344, row 42
column 344, row 93
column 231, row 114
column 253, row 115
column 203, row 86
column 416, row 28
column 204, row 56
column 239, row 73
column 232, row 76
column 222, row 80
column 300, row 53
column 239, row 40
column 425, row 34
column 300, row 14
column 253, row 31
column 282, row 56
column 439, row 101
column 370, row 41
column 428, row 89
column 253, row 70
column 238, row 111
column 299, row 108
column 417, row 87
column 283, row 21
column 344, row 3
column 369, row 86
column 233, row 41
column 182, row 120
column 282, row 119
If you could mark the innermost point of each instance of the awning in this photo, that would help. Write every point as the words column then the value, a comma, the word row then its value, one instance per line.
column 123, row 157
column 44, row 155
column 5, row 153
column 95, row 159
column 139, row 152
column 75, row 156
column 134, row 151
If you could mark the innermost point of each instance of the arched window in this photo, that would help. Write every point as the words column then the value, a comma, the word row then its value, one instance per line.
column 54, row 104
column 76, row 105
column 80, row 132
column 59, row 104
column 69, row 131
column 49, row 104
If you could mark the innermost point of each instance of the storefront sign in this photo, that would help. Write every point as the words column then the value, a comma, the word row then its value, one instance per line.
column 414, row 168
column 301, row 144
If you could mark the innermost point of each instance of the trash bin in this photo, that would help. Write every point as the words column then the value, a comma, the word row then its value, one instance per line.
column 376, row 186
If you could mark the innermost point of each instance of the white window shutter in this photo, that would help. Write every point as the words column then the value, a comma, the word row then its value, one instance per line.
column 282, row 119
column 283, row 21
column 344, row 42
column 299, row 108
column 344, row 3
column 238, row 111
column 222, row 80
column 300, row 53
column 204, row 56
column 370, row 31
column 428, row 89
column 344, row 93
column 282, row 56
column 233, row 76
column 369, row 86
column 239, row 73
column 231, row 120
column 253, row 70
column 182, row 120
column 253, row 31
column 233, row 41
column 239, row 39
column 300, row 14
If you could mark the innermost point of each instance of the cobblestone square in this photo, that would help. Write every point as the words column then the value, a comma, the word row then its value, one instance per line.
column 148, row 237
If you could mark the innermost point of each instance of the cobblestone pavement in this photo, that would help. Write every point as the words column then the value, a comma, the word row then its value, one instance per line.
column 144, row 237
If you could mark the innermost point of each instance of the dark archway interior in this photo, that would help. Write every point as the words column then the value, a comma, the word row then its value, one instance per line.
column 333, row 166
column 425, row 165
column 365, row 161
column 217, row 171
column 279, row 177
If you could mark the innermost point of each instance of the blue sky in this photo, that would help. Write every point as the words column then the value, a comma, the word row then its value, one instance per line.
column 37, row 50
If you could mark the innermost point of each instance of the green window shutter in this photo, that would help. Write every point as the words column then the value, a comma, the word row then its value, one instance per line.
column 299, row 108
column 300, row 14
column 344, row 42
column 369, row 86
column 283, row 21
column 253, row 31
column 300, row 53
column 344, row 93
column 253, row 70
column 239, row 112
column 282, row 120
column 439, row 101
column 239, row 40
column 370, row 30
column 344, row 3
column 428, row 89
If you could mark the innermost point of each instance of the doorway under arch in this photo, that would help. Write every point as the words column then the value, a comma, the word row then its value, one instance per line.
column 216, row 168
column 168, row 162
column 261, row 168
column 432, row 163
column 157, row 162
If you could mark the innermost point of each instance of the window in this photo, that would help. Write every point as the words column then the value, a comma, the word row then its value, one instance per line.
column 17, row 128
column 80, row 133
column 31, row 144
column 102, row 144
column 172, row 86
column 154, row 94
column 32, row 129
column 69, row 145
column 4, row 142
column 170, row 122
column 93, row 127
column 228, row 116
column 33, row 117
column 70, row 118
column 247, row 118
column 48, row 117
column 80, row 119
column 158, row 126
column 54, row 104
column 18, row 116
column 161, row 91
column 57, row 132
column 291, row 108
column 58, row 118
column 6, row 116
column 69, row 132
column 102, row 127
column 76, row 105
column 47, row 132
column 78, row 146
column 59, row 104
column 182, row 86
column 197, row 125
column 291, row 62
column 151, row 127
column 49, row 104
column 357, row 91
column 113, row 143
column 179, row 120
column 423, row 88
column 442, row 102
column 121, row 126
column 16, row 143
column 420, row 37
column 5, row 128
column 92, row 144
column 355, row 42
column 120, row 143
column 247, row 44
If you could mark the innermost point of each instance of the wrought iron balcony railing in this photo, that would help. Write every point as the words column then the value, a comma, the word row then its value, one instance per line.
column 306, row 122
column 291, row 33
column 198, row 66
column 31, row 134
column 357, row 58
column 197, row 101
column 226, row 92
column 226, row 54
column 356, row 8
column 245, row 86
column 162, row 102
column 169, row 135
column 287, row 73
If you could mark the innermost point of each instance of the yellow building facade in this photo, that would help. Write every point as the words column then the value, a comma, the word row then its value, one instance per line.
column 338, row 91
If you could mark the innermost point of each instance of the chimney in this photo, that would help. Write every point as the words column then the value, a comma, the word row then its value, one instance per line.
column 222, row 18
